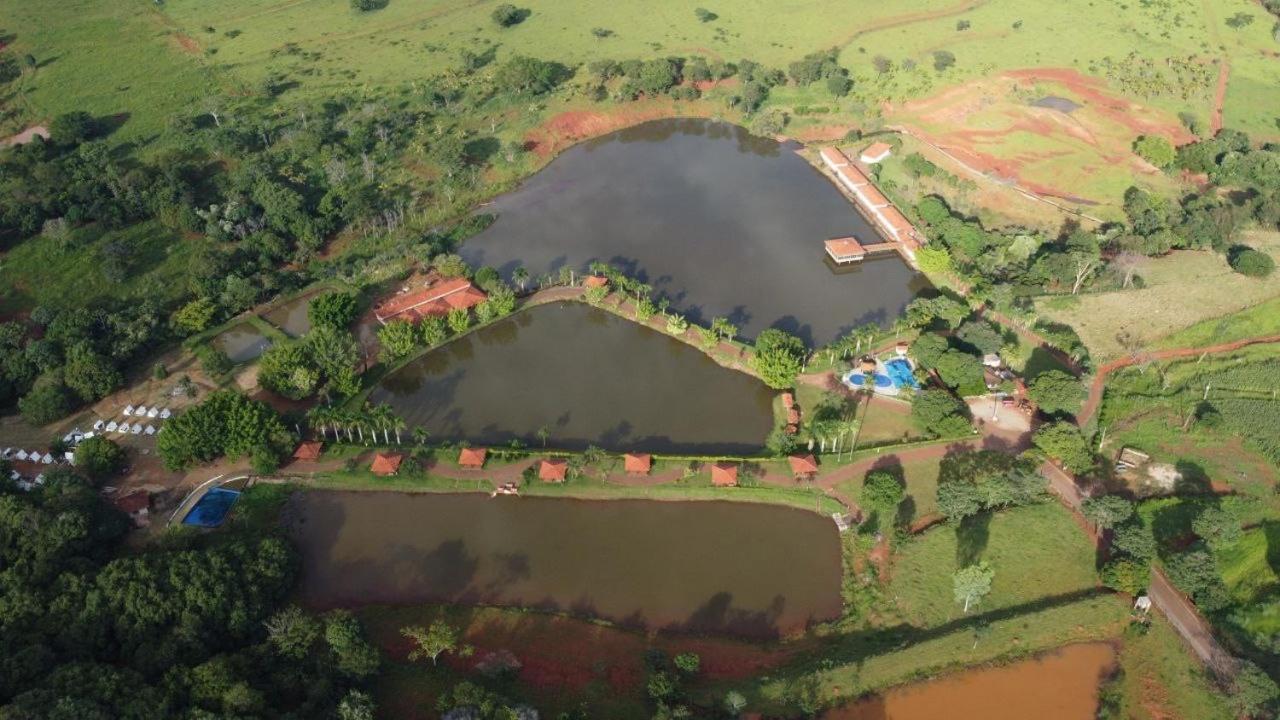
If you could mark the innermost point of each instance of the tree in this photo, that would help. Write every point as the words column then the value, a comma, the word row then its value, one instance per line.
column 938, row 412
column 195, row 316
column 521, row 74
column 46, row 402
column 225, row 423
column 1250, row 262
column 99, row 457
column 356, row 705
column 734, row 703
column 839, row 85
column 1217, row 526
column 688, row 663
column 596, row 295
column 882, row 490
column 704, row 15
column 368, row 5
column 507, row 15
column 943, row 59
column 971, row 584
column 459, row 320
column 89, row 374
column 213, row 361
column 778, row 358
column 355, row 656
column 431, row 642
column 293, row 633
column 72, row 128
column 1056, row 391
column 335, row 310
column 1255, row 693
column 1126, row 575
column 433, row 330
column 398, row 338
column 1063, row 442
column 960, row 371
column 958, row 499
column 1156, row 150
column 1107, row 511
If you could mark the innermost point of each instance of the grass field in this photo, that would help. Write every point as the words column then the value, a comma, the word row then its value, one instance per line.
column 921, row 484
column 39, row 272
column 1162, row 680
column 1182, row 289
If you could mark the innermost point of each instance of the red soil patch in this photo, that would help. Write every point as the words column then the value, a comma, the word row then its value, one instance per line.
column 1114, row 108
column 1220, row 95
column 573, row 126
column 187, row 43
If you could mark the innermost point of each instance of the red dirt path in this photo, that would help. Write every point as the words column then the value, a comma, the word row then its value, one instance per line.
column 1220, row 95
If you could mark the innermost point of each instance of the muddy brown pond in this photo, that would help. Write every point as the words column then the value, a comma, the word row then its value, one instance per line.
column 1061, row 685
column 720, row 221
column 589, row 378
column 740, row 568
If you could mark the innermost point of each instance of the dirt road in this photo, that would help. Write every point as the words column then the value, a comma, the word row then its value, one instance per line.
column 1182, row 614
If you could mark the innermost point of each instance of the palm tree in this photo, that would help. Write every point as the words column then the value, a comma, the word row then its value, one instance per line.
column 543, row 434
column 521, row 277
column 321, row 416
column 397, row 424
column 420, row 435
column 380, row 416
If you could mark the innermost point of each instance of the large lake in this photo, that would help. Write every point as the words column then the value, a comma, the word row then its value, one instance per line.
column 720, row 221
column 741, row 568
column 589, row 378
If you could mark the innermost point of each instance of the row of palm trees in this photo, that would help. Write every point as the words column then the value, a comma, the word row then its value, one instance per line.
column 354, row 422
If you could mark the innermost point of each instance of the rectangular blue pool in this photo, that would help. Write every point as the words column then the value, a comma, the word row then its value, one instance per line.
column 212, row 509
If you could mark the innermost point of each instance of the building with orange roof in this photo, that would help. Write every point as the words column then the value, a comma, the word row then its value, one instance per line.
column 553, row 470
column 386, row 464
column 724, row 474
column 845, row 250
column 436, row 299
column 793, row 416
column 637, row 463
column 788, row 399
column 472, row 457
column 308, row 451
column 876, row 152
column 593, row 281
column 803, row 466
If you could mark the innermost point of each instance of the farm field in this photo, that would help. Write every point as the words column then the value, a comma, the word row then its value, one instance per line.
column 1181, row 289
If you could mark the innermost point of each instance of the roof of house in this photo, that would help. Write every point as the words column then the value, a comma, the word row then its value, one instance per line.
column 134, row 502
column 803, row 464
column 637, row 462
column 877, row 150
column 309, row 450
column 833, row 156
column 437, row 299
column 793, row 415
column 724, row 474
column 788, row 399
column 843, row 247
column 386, row 463
column 553, row 470
column 472, row 457
column 595, row 281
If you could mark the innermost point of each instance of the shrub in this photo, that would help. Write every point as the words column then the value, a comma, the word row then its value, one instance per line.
column 938, row 412
column 72, row 128
column 1126, row 576
column 839, row 85
column 367, row 5
column 704, row 15
column 506, row 15
column 1250, row 262
column 336, row 310
column 942, row 60
column 1156, row 150
column 213, row 361
column 778, row 357
column 99, row 457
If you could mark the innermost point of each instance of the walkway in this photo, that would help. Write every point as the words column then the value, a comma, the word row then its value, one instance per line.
column 1184, row 618
column 1097, row 387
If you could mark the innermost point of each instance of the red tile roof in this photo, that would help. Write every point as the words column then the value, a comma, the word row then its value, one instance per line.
column 386, row 463
column 308, row 450
column 638, row 463
column 438, row 299
column 793, row 416
column 788, row 399
column 472, row 457
column 844, row 247
column 553, row 470
column 877, row 150
column 724, row 474
column 803, row 464
column 595, row 281
column 873, row 197
column 833, row 156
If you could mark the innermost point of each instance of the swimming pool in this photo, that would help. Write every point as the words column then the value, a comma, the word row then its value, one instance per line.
column 900, row 371
column 212, row 509
column 859, row 379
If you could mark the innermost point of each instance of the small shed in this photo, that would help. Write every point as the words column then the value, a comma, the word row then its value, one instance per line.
column 472, row 457
column 803, row 467
column 724, row 474
column 165, row 413
column 595, row 281
column 128, row 410
column 553, row 470
column 386, row 464
column 876, row 152
column 637, row 463
column 308, row 451
column 137, row 505
column 141, row 411
column 788, row 400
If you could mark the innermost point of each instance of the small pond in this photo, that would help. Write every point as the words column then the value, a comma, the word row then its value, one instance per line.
column 1061, row 685
column 291, row 317
column 589, row 378
column 242, row 343
column 722, row 222
column 740, row 568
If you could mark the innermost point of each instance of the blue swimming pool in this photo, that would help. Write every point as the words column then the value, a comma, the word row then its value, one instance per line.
column 900, row 371
column 212, row 509
column 858, row 379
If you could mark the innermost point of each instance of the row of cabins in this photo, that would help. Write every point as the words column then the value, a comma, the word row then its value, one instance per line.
column 877, row 207
column 439, row 297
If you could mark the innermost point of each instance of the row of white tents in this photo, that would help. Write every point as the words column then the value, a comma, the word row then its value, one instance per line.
column 124, row 428
column 147, row 412
column 34, row 456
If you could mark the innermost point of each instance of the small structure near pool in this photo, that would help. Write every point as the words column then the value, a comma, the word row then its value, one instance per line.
column 386, row 464
column 724, row 474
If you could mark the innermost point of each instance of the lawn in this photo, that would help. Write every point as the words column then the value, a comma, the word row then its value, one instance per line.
column 1162, row 679
column 1182, row 289
column 112, row 58
column 921, row 478
column 39, row 272
column 1039, row 541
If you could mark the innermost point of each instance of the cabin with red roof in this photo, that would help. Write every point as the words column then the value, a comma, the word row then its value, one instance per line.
column 553, row 470
column 436, row 299
column 637, row 463
column 876, row 152
column 594, row 281
column 308, row 451
column 472, row 457
column 803, row 467
column 386, row 464
column 845, row 250
column 724, row 474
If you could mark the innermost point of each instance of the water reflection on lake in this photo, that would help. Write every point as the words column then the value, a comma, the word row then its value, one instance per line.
column 722, row 222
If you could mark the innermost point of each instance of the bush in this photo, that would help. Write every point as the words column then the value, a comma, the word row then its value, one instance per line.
column 704, row 15
column 1250, row 262
column 72, row 128
column 336, row 310
column 1063, row 442
column 938, row 412
column 367, row 5
column 99, row 457
column 1126, row 576
column 778, row 358
column 213, row 361
column 1156, row 150
column 48, row 401
column 839, row 85
column 507, row 15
